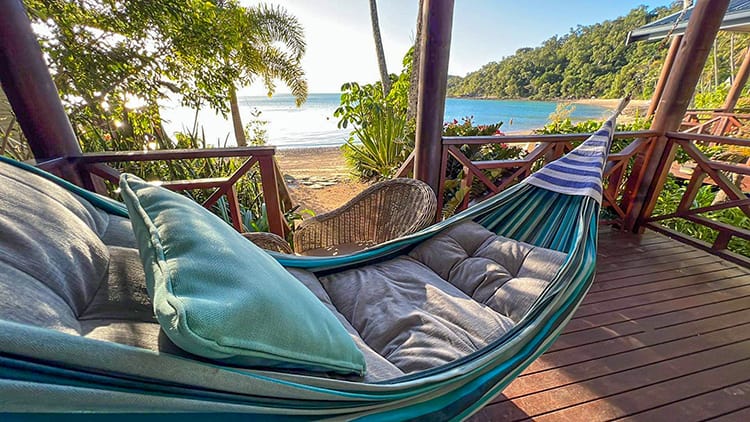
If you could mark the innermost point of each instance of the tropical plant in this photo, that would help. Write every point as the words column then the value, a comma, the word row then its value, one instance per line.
column 363, row 106
column 267, row 43
column 377, row 149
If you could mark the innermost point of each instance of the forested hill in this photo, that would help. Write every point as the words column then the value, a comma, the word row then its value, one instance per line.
column 589, row 61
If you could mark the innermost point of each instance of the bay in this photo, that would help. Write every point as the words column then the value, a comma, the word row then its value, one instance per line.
column 313, row 123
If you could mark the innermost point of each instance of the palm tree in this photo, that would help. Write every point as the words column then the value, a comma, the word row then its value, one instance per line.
column 270, row 44
column 384, row 77
column 411, row 111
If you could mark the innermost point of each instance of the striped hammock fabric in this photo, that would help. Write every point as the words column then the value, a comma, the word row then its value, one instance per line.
column 556, row 208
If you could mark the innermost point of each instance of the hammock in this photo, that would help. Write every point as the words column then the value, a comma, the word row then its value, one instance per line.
column 555, row 208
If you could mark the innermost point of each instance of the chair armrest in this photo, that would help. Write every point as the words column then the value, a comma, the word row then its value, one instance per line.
column 269, row 241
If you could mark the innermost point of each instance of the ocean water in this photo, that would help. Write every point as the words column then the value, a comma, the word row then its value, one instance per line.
column 313, row 123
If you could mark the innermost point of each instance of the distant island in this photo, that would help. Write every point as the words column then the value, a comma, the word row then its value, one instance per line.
column 588, row 62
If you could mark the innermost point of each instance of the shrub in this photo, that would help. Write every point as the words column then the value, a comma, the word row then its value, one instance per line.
column 381, row 148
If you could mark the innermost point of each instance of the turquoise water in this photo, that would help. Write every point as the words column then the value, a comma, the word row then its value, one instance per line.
column 313, row 124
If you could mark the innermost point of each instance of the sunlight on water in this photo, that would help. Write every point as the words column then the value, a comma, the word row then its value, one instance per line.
column 313, row 124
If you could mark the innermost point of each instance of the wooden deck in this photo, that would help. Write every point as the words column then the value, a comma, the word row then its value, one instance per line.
column 664, row 334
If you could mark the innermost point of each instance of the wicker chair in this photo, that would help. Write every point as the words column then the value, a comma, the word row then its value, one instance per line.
column 269, row 241
column 382, row 212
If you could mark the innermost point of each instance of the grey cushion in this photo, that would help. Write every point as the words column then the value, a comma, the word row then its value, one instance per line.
column 48, row 234
column 410, row 315
column 454, row 294
column 378, row 368
column 502, row 273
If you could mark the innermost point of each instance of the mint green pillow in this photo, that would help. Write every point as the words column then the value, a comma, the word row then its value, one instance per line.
column 219, row 296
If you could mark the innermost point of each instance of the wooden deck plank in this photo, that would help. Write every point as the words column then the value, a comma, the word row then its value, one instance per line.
column 714, row 404
column 580, row 348
column 664, row 334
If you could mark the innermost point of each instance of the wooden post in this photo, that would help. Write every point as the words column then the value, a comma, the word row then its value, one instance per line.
column 739, row 82
column 433, row 77
column 30, row 90
column 648, row 176
column 665, row 70
column 276, row 223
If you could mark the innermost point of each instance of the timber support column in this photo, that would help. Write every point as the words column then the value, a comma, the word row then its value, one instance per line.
column 435, row 46
column 648, row 176
column 674, row 47
column 31, row 92
column 739, row 82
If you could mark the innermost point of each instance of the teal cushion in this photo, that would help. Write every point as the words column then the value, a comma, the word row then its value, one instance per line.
column 219, row 296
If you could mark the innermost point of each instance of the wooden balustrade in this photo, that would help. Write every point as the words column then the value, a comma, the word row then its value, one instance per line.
column 550, row 147
column 544, row 148
column 95, row 164
column 714, row 172
column 714, row 122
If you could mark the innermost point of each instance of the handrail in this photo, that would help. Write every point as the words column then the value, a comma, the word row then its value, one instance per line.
column 94, row 163
column 175, row 154
column 521, row 139
column 711, row 171
column 708, row 138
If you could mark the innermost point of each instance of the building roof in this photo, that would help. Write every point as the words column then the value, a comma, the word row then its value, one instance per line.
column 736, row 19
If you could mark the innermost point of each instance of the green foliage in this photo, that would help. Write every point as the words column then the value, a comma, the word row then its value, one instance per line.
column 711, row 99
column 255, row 129
column 381, row 137
column 113, row 61
column 380, row 147
column 12, row 140
column 589, row 61
column 361, row 103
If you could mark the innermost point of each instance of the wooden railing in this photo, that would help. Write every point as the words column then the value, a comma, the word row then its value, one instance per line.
column 263, row 157
column 714, row 172
column 550, row 147
column 714, row 122
column 545, row 148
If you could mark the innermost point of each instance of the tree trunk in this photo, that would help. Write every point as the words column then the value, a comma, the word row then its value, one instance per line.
column 239, row 130
column 411, row 111
column 384, row 77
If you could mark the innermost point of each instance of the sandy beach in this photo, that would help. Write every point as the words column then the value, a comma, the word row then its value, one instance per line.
column 319, row 180
column 636, row 108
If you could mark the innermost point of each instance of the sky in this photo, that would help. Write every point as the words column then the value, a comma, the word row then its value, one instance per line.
column 340, row 46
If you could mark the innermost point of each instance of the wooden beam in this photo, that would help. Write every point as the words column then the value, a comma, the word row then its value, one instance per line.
column 30, row 90
column 433, row 78
column 665, row 70
column 739, row 82
column 648, row 176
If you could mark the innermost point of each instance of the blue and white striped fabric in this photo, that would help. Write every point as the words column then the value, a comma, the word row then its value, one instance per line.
column 580, row 171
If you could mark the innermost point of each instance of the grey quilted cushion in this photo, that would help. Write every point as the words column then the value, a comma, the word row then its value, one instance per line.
column 411, row 316
column 501, row 273
column 453, row 295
